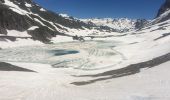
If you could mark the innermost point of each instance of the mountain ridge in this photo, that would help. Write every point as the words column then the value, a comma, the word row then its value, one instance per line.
column 120, row 24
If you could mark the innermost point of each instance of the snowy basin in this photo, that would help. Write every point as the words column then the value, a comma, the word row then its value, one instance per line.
column 89, row 55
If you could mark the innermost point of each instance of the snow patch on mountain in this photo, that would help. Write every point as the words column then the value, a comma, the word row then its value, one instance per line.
column 64, row 15
column 33, row 28
column 42, row 9
column 60, row 39
column 15, row 8
column 28, row 5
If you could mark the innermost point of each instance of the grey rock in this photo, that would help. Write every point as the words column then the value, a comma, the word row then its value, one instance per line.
column 164, row 8
column 140, row 23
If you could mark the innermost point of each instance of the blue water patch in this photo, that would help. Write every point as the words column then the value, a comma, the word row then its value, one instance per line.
column 63, row 52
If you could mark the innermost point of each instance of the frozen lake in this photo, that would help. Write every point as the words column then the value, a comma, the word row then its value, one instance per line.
column 89, row 55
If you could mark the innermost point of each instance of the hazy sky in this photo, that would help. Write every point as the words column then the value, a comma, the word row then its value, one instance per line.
column 104, row 8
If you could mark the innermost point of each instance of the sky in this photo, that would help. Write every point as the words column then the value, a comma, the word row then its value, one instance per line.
column 104, row 8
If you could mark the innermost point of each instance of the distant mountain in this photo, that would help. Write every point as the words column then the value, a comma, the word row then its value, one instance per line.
column 122, row 24
column 119, row 24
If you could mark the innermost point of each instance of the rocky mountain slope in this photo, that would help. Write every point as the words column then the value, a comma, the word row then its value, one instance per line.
column 29, row 18
column 21, row 15
column 163, row 13
column 165, row 7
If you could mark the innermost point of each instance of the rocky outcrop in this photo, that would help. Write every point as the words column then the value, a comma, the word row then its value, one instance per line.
column 140, row 23
column 3, row 30
column 9, row 67
column 165, row 7
column 12, row 20
column 163, row 13
column 2, row 1
column 46, row 36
